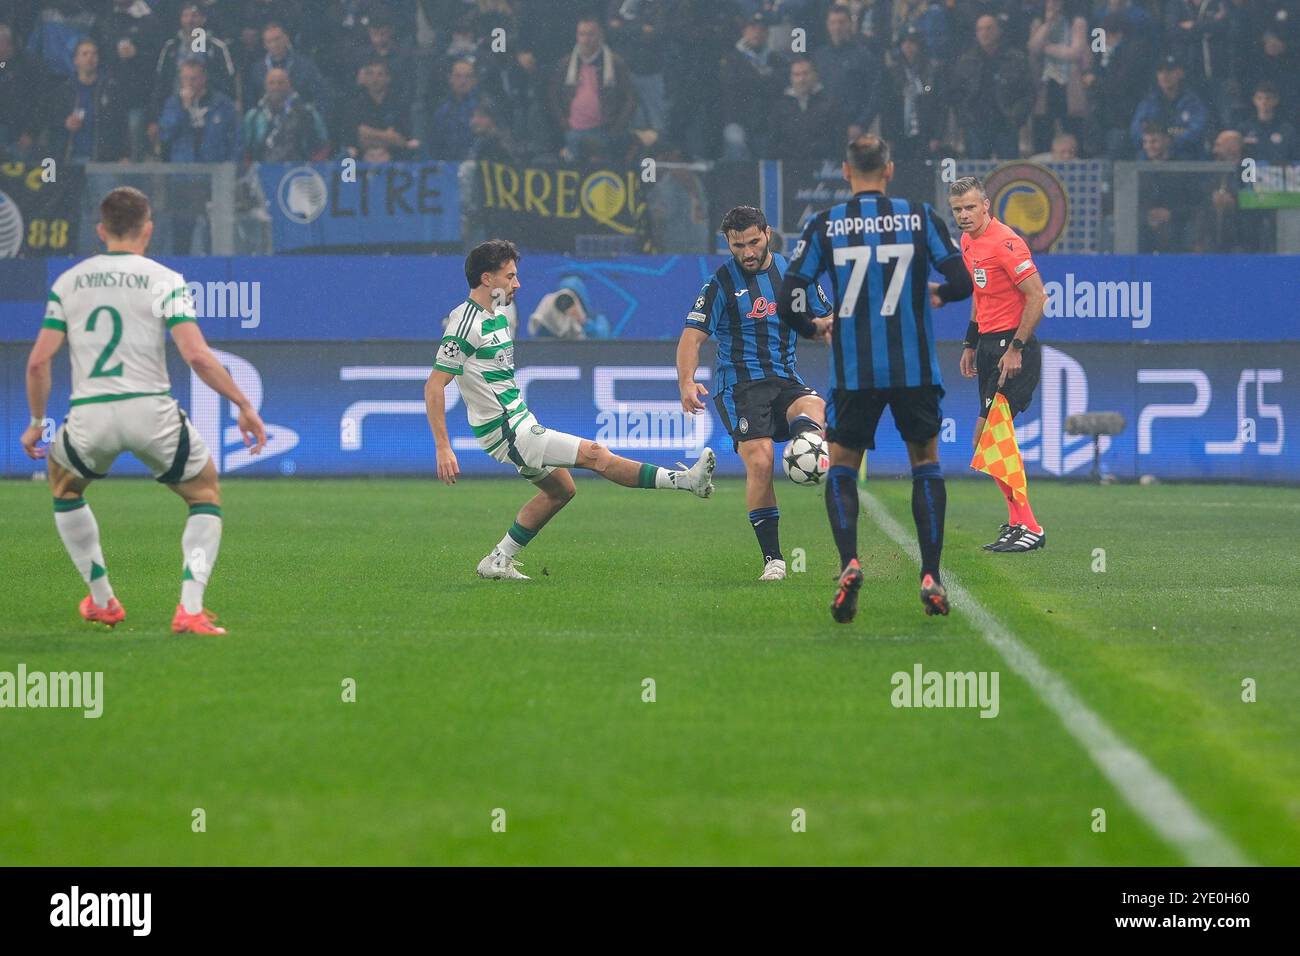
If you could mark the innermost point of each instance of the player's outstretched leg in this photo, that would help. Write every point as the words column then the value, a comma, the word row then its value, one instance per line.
column 842, row 509
column 554, row 491
column 929, row 503
column 200, row 543
column 698, row 479
column 80, row 535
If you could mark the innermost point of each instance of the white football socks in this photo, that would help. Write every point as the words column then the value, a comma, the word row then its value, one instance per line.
column 80, row 534
column 199, row 546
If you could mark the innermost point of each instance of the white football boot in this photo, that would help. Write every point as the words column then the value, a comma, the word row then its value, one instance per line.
column 698, row 479
column 502, row 567
column 774, row 570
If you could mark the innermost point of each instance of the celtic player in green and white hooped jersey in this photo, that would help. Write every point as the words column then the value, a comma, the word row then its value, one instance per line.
column 477, row 352
column 114, row 311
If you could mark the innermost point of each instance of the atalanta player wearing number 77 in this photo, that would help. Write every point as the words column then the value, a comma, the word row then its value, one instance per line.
column 1000, row 346
column 761, row 398
column 878, row 252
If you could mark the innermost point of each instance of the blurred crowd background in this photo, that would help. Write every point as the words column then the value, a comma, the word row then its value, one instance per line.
column 612, row 81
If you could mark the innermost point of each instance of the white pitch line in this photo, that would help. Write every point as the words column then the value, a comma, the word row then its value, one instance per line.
column 1151, row 795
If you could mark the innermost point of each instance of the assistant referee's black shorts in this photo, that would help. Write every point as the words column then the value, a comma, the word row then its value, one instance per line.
column 1019, row 389
column 853, row 414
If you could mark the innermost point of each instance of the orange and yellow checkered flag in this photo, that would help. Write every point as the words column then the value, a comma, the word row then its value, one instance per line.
column 997, row 453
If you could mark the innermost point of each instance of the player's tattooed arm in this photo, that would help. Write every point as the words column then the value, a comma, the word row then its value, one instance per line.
column 435, row 405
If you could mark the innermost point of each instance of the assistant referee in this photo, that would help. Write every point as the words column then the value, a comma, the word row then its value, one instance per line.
column 1000, row 346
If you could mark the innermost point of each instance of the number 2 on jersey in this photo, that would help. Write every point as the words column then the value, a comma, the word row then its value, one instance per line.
column 99, row 371
column 860, row 256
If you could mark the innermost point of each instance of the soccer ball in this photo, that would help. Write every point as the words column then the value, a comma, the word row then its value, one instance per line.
column 805, row 459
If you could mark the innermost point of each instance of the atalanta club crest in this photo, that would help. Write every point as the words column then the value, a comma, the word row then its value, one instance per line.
column 1032, row 200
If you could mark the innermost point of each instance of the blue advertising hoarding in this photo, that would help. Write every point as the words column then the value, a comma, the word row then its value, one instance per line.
column 351, row 298
column 1193, row 411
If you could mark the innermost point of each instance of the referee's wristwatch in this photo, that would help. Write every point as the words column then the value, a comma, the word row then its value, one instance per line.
column 1017, row 344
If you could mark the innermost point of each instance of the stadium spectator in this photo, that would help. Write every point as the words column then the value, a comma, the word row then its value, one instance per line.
column 85, row 115
column 19, row 86
column 221, row 71
column 1134, row 19
column 1115, row 82
column 636, row 33
column 283, row 127
column 1266, row 137
column 929, row 17
column 1217, row 222
column 1197, row 32
column 450, row 133
column 851, row 74
column 592, row 97
column 375, row 116
column 382, row 44
column 304, row 76
column 129, row 35
column 1176, row 108
column 198, row 124
column 1065, row 147
column 1276, row 61
column 678, row 206
column 751, row 77
column 490, row 140
column 252, row 17
column 1164, row 201
column 992, row 93
column 804, row 119
column 59, row 27
column 913, row 115
column 1059, row 56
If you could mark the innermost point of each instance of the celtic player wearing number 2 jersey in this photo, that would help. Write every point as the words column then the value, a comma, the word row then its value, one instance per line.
column 114, row 310
column 478, row 353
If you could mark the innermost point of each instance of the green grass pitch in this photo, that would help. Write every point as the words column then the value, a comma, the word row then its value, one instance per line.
column 476, row 695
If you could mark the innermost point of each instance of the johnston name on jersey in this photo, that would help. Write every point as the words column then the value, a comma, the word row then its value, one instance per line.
column 116, row 309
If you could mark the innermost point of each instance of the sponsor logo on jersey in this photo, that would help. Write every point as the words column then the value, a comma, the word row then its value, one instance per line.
column 762, row 309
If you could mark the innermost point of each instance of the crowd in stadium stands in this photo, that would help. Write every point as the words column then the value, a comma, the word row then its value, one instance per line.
column 603, row 80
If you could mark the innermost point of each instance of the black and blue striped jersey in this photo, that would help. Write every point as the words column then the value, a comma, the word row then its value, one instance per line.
column 739, row 309
column 878, row 252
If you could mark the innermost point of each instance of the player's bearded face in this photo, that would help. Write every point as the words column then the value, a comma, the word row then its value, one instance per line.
column 750, row 247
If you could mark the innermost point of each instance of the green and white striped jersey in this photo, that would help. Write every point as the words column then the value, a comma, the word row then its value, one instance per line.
column 115, row 309
column 477, row 348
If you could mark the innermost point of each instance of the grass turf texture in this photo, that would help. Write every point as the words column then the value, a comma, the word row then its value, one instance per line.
column 474, row 695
